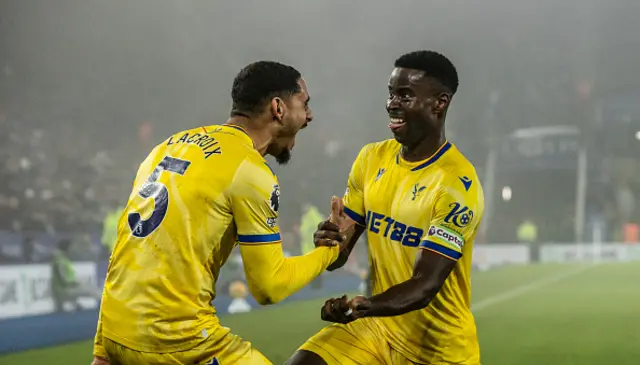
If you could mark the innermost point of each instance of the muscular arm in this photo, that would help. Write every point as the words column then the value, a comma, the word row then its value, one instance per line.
column 457, row 212
column 272, row 277
column 429, row 274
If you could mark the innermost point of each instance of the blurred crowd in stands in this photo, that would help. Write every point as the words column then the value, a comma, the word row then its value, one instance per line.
column 54, row 179
column 85, row 96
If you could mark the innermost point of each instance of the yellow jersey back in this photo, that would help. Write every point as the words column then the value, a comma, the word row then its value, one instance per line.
column 194, row 198
column 436, row 205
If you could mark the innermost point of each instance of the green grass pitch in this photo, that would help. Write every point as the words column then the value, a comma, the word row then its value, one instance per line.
column 526, row 315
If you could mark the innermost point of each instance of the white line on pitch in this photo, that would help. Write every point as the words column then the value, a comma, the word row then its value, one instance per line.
column 523, row 289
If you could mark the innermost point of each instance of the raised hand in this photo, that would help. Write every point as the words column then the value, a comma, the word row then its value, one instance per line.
column 329, row 232
column 337, row 216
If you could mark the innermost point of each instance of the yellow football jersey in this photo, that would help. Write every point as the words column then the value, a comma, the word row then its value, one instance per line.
column 195, row 196
column 436, row 205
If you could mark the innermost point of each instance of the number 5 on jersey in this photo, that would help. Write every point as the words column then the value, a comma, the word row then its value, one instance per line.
column 152, row 189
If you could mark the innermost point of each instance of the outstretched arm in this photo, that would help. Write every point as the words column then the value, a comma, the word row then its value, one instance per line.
column 453, row 223
column 272, row 277
column 429, row 274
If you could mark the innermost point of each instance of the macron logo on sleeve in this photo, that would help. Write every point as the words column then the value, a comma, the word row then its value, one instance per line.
column 466, row 182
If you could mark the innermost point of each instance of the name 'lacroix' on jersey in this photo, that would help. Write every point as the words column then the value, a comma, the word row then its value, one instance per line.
column 195, row 197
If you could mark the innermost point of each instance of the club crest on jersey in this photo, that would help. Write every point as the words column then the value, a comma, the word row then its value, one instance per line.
column 381, row 171
column 417, row 189
column 274, row 200
column 459, row 215
column 213, row 361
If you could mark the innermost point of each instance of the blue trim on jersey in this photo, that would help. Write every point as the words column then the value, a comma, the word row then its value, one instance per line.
column 441, row 249
column 259, row 238
column 355, row 216
column 236, row 127
column 270, row 169
column 434, row 158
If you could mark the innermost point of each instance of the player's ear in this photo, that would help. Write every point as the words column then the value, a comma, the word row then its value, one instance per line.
column 277, row 109
column 442, row 102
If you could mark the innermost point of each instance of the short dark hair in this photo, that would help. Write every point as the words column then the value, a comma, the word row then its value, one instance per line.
column 260, row 81
column 434, row 65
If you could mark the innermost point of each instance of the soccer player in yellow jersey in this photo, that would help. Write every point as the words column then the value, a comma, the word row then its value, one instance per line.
column 195, row 197
column 420, row 202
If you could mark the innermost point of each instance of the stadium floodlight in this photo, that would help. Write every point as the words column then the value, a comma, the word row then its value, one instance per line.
column 506, row 193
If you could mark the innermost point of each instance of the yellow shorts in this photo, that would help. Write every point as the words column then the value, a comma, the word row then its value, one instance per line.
column 360, row 342
column 220, row 348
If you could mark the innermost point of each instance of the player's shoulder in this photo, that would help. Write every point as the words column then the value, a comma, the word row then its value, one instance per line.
column 252, row 169
column 380, row 148
column 228, row 150
column 232, row 144
column 213, row 137
column 256, row 173
column 254, row 179
column 458, row 171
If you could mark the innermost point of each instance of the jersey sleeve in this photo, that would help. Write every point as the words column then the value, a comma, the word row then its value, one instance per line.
column 454, row 221
column 255, row 200
column 354, row 196
column 98, row 347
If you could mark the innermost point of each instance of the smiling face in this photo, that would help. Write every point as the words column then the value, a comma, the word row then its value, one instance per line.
column 416, row 106
column 294, row 114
